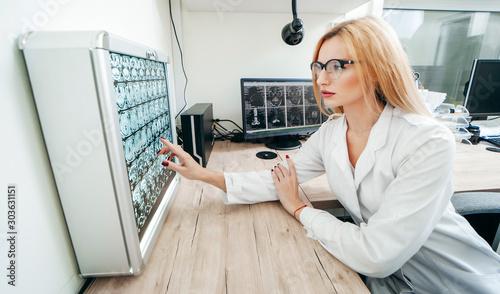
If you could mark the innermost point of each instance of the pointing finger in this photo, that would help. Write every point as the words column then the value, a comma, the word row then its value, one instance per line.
column 176, row 149
column 171, row 165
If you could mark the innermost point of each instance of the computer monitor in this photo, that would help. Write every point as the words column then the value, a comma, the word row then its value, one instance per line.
column 482, row 95
column 277, row 109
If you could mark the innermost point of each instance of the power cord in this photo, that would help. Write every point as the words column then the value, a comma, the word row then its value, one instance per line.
column 182, row 56
column 237, row 135
column 222, row 133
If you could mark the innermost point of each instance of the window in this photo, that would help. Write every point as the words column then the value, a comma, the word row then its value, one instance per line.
column 442, row 45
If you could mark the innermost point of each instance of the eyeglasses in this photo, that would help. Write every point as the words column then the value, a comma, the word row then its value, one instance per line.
column 333, row 67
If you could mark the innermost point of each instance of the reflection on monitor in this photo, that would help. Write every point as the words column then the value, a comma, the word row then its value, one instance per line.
column 143, row 111
column 482, row 97
column 277, row 108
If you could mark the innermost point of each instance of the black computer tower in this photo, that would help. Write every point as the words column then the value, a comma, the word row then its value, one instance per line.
column 197, row 136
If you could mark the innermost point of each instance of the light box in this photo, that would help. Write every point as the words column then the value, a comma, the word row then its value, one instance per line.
column 103, row 103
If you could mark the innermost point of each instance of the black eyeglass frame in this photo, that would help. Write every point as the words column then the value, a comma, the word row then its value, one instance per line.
column 323, row 66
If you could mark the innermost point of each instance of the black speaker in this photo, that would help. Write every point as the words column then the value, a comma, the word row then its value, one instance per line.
column 197, row 135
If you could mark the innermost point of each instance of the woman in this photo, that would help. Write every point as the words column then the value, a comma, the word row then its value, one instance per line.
column 389, row 164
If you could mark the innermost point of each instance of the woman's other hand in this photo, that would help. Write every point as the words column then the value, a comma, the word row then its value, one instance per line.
column 287, row 187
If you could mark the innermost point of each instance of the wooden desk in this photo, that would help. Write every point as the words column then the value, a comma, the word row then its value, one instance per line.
column 476, row 169
column 208, row 247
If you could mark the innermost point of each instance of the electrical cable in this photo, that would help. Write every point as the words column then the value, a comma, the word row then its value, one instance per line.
column 294, row 9
column 218, row 120
column 236, row 135
column 182, row 56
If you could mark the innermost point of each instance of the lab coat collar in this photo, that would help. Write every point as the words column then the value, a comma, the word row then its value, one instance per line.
column 341, row 158
column 376, row 140
column 341, row 155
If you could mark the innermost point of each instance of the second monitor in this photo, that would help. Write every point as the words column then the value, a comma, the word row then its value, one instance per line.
column 277, row 109
column 482, row 95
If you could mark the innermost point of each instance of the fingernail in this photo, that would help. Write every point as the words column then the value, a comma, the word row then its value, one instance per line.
column 162, row 138
column 287, row 156
column 158, row 151
column 278, row 163
column 272, row 170
column 165, row 163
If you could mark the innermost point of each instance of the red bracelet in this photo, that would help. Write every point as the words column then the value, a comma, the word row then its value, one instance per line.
column 298, row 210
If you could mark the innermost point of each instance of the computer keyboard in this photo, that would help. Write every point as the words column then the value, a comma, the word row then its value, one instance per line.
column 493, row 140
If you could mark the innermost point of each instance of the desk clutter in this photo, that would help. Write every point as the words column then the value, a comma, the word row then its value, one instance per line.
column 456, row 118
column 459, row 121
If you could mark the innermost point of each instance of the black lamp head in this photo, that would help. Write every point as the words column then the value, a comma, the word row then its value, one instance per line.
column 293, row 32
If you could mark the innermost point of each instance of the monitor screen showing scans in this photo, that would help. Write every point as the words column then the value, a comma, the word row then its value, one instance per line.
column 277, row 107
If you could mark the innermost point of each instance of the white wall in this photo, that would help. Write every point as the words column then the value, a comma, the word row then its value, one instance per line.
column 45, row 260
column 222, row 48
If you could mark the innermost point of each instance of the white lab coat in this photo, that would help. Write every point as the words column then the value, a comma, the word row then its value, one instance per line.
column 407, row 234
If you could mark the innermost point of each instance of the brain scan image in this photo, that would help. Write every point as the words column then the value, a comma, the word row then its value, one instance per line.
column 295, row 116
column 276, row 117
column 294, row 95
column 275, row 96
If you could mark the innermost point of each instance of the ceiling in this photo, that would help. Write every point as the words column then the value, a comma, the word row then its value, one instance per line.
column 273, row 6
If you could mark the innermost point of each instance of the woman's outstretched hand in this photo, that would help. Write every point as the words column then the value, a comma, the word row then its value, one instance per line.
column 287, row 187
column 188, row 167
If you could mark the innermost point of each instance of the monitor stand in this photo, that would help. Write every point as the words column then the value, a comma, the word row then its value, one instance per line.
column 283, row 143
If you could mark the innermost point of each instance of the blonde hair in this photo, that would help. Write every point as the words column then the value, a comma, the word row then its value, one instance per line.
column 382, row 65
